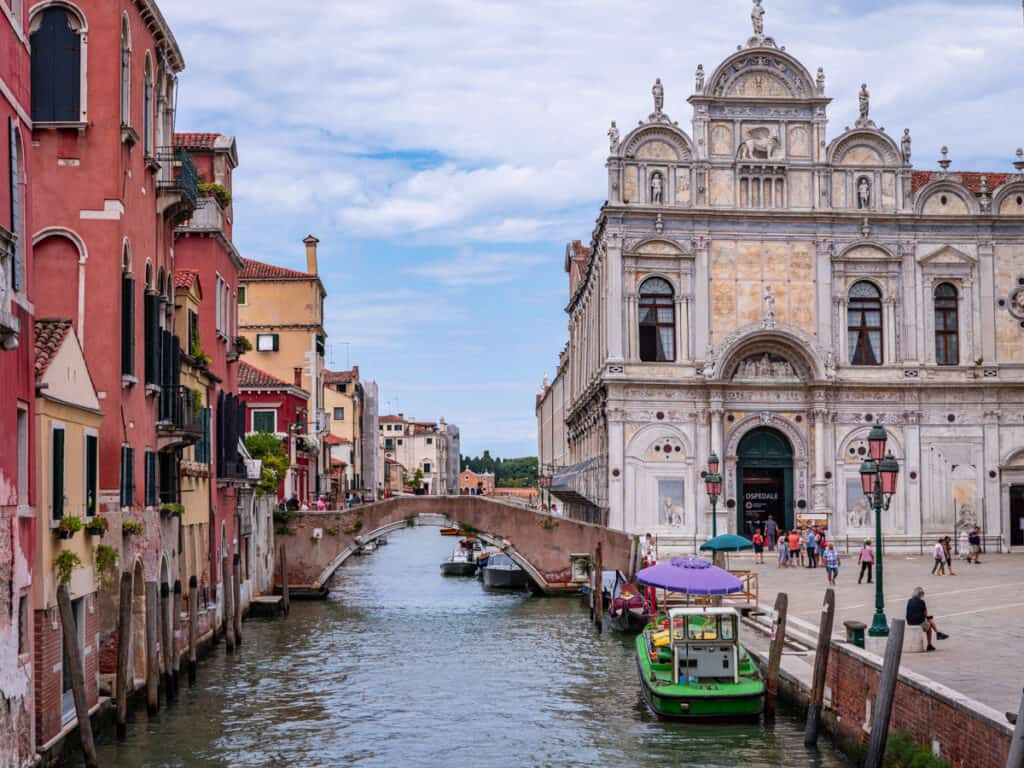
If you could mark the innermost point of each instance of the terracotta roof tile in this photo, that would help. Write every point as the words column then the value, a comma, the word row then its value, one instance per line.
column 257, row 270
column 253, row 378
column 335, row 440
column 196, row 140
column 340, row 377
column 185, row 278
column 391, row 419
column 50, row 334
column 970, row 179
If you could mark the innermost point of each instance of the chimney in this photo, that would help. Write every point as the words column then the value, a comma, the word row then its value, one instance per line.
column 297, row 375
column 311, row 242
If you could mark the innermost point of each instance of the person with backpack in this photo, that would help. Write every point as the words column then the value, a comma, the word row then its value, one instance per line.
column 974, row 539
column 758, row 541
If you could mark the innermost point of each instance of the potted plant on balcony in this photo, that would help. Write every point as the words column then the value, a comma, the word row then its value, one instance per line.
column 196, row 351
column 242, row 345
column 97, row 526
column 64, row 563
column 217, row 191
column 131, row 527
column 68, row 526
column 172, row 508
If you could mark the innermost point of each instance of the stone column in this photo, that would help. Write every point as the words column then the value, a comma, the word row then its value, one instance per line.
column 889, row 331
column 913, row 462
column 987, row 299
column 820, row 498
column 843, row 353
column 616, row 469
column 632, row 326
column 702, row 301
column 684, row 327
column 614, row 306
column 909, row 304
column 718, row 448
column 823, row 264
column 994, row 521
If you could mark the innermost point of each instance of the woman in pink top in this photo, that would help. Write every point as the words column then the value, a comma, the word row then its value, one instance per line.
column 866, row 560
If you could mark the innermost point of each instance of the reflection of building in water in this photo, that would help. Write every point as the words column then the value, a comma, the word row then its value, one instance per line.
column 766, row 288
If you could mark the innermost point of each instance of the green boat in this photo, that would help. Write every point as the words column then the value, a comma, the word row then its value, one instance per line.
column 692, row 667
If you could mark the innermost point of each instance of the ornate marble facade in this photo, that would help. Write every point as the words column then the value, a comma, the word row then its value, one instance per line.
column 804, row 273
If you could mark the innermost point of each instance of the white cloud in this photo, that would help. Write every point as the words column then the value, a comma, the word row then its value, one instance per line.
column 475, row 268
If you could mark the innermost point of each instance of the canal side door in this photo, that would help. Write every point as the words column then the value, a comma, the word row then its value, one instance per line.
column 1017, row 515
column 764, row 476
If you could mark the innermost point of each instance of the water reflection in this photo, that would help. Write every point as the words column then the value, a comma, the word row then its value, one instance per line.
column 401, row 666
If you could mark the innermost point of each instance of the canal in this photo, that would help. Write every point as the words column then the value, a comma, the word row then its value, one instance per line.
column 402, row 667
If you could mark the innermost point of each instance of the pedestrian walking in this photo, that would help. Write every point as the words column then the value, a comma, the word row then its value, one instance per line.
column 939, row 553
column 794, row 548
column 947, row 549
column 758, row 541
column 771, row 532
column 783, row 546
column 866, row 558
column 974, row 539
column 811, row 542
column 831, row 558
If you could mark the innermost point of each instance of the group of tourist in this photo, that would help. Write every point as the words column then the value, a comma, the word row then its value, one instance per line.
column 943, row 555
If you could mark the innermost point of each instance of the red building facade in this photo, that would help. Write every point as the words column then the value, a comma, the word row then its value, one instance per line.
column 17, row 392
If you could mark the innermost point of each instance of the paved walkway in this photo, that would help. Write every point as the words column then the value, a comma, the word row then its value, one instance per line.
column 981, row 609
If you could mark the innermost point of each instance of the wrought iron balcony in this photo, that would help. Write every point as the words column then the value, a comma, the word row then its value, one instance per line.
column 181, row 417
column 177, row 183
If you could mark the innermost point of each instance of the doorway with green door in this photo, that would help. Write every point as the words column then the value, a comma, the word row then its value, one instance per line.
column 764, row 480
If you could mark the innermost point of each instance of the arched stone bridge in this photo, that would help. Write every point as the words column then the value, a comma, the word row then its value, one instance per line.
column 542, row 545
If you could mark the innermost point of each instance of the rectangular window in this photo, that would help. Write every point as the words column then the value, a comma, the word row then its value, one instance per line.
column 202, row 449
column 193, row 332
column 151, row 318
column 426, row 467
column 389, row 444
column 16, row 204
column 219, row 309
column 430, row 441
column 22, row 455
column 241, row 295
column 266, row 342
column 92, row 457
column 339, row 414
column 151, row 479
column 57, row 472
column 127, row 325
column 127, row 476
column 343, row 388
column 264, row 421
column 399, row 441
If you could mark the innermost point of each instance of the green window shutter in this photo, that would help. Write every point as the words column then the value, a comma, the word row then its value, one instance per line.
column 277, row 343
column 127, row 325
column 131, row 476
column 57, row 475
column 91, row 472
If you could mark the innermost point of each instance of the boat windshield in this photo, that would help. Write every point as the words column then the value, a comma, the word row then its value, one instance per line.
column 703, row 627
column 500, row 560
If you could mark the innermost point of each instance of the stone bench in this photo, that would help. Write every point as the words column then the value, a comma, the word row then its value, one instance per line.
column 914, row 640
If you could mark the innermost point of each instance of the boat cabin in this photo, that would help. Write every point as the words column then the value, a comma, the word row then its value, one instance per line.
column 704, row 643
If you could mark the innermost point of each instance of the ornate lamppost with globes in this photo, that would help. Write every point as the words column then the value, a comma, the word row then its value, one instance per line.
column 878, row 475
column 713, row 484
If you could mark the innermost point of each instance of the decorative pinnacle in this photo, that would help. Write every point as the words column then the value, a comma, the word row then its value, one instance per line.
column 944, row 163
column 1019, row 162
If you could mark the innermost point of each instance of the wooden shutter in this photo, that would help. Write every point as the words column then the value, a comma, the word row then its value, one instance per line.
column 127, row 325
column 131, row 476
column 91, row 473
column 56, row 69
column 57, row 475
column 16, row 207
column 276, row 342
column 151, row 337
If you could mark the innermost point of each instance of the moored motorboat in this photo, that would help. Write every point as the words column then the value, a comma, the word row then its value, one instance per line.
column 501, row 572
column 463, row 561
column 692, row 667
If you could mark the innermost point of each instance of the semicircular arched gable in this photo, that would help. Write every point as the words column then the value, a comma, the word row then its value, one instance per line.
column 658, row 143
column 798, row 349
column 1009, row 199
column 760, row 73
column 861, row 433
column 641, row 442
column 945, row 198
column 864, row 148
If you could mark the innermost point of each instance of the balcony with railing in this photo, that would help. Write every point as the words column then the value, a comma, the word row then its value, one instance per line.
column 181, row 418
column 208, row 216
column 177, row 183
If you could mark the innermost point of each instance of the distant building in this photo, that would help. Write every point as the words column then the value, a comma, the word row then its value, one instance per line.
column 476, row 483
column 368, row 439
column 343, row 401
column 420, row 445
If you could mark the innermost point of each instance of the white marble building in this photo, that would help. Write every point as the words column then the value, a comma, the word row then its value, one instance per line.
column 766, row 289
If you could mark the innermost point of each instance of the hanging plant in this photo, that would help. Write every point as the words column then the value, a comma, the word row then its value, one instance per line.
column 131, row 527
column 97, row 526
column 172, row 508
column 242, row 345
column 64, row 563
column 69, row 526
column 106, row 563
column 215, row 190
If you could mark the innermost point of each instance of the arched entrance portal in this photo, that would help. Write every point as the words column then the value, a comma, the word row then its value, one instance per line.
column 764, row 479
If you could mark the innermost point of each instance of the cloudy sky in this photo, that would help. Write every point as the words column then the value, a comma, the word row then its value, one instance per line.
column 445, row 152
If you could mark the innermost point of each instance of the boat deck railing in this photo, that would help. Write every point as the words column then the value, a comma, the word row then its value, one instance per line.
column 747, row 599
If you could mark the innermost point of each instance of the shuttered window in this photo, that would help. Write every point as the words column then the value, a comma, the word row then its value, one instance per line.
column 92, row 453
column 56, row 68
column 57, row 473
column 202, row 450
column 127, row 325
column 127, row 476
column 151, row 321
column 151, row 479
column 16, row 203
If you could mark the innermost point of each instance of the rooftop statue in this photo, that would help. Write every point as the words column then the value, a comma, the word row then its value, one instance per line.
column 757, row 17
column 659, row 96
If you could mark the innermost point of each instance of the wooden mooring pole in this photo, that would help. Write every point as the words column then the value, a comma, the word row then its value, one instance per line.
column 166, row 640
column 284, row 579
column 77, row 674
column 124, row 654
column 886, row 693
column 152, row 655
column 775, row 652
column 599, row 589
column 828, row 612
column 229, row 611
column 236, row 596
column 193, row 618
column 1016, row 757
column 175, row 634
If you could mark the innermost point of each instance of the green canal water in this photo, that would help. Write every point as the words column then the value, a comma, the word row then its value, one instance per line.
column 402, row 667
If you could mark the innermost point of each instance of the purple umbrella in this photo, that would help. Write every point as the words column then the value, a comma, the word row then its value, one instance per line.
column 691, row 576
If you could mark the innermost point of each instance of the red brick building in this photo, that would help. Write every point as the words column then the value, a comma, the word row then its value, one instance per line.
column 109, row 192
column 17, row 447
column 279, row 408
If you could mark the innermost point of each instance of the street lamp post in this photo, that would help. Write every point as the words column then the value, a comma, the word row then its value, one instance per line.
column 878, row 476
column 713, row 484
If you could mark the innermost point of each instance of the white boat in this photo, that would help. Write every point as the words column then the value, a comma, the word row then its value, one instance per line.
column 463, row 561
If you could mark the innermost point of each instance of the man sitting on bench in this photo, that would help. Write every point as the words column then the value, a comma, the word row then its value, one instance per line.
column 917, row 616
